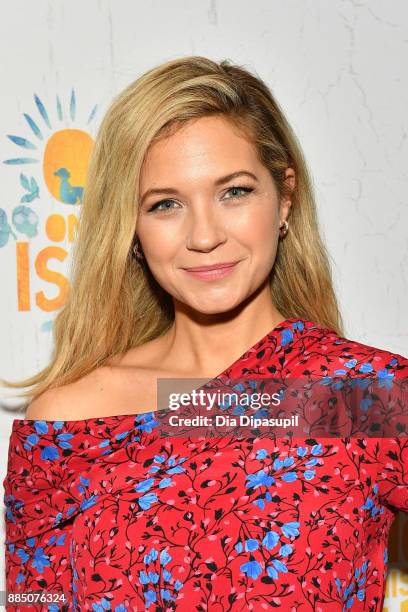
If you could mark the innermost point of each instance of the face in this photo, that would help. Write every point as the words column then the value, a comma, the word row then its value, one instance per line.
column 198, row 217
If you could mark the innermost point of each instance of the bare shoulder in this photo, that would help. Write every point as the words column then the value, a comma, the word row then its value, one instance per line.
column 125, row 384
column 81, row 399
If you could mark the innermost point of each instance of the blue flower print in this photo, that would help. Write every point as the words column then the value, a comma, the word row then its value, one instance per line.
column 151, row 556
column 145, row 485
column 145, row 578
column 371, row 506
column 171, row 466
column 270, row 540
column 276, row 567
column 58, row 425
column 163, row 481
column 85, row 482
column 166, row 482
column 150, row 597
column 121, row 435
column 289, row 477
column 286, row 337
column 259, row 479
column 48, row 452
column 385, row 378
column 365, row 403
column 354, row 587
column 146, row 422
column 251, row 568
column 291, row 530
column 279, row 463
column 23, row 555
column 176, row 468
column 165, row 593
column 263, row 478
column 260, row 501
column 151, row 576
column 147, row 500
column 251, row 544
column 41, row 427
column 365, row 368
column 63, row 440
column 88, row 503
column 40, row 560
column 164, row 557
column 105, row 605
column 285, row 550
column 309, row 474
column 316, row 449
column 102, row 606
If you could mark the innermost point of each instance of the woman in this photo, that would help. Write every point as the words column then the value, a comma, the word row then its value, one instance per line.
column 106, row 509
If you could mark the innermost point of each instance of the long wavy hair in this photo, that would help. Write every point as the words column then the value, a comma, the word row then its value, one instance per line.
column 113, row 303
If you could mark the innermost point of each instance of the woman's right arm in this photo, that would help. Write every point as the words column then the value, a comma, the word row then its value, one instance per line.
column 37, row 552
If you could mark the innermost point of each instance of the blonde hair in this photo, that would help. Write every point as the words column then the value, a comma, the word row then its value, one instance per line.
column 115, row 304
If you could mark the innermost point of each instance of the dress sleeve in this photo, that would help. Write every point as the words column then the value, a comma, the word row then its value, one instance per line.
column 37, row 547
column 393, row 451
column 393, row 476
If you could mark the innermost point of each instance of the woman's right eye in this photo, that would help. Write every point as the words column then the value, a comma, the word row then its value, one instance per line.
column 156, row 206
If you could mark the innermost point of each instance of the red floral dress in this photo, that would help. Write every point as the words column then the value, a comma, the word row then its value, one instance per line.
column 119, row 518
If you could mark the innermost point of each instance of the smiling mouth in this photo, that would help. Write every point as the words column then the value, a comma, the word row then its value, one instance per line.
column 212, row 272
column 212, row 267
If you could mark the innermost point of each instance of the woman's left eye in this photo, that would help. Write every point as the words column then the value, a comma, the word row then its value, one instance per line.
column 246, row 190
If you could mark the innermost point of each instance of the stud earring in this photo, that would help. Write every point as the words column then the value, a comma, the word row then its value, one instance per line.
column 284, row 225
column 138, row 254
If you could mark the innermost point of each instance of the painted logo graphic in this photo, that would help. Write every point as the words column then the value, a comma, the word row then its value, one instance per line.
column 58, row 147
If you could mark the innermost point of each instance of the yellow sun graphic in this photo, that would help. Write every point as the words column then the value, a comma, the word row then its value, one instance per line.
column 66, row 152
column 65, row 163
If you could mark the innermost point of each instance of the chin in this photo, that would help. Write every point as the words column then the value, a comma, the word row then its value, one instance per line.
column 215, row 307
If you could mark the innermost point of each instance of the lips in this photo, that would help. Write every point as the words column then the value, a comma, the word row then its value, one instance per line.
column 219, row 266
column 214, row 273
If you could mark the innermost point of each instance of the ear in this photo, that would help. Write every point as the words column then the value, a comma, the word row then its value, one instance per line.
column 289, row 186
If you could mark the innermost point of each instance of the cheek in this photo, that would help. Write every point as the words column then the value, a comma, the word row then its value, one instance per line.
column 260, row 236
column 254, row 226
column 259, row 214
column 159, row 241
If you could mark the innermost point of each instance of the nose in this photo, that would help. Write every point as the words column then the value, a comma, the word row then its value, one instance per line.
column 206, row 228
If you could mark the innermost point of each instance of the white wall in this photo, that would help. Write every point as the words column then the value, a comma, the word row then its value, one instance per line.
column 339, row 70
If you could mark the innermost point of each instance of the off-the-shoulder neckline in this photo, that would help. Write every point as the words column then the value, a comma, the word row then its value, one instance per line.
column 281, row 325
column 97, row 418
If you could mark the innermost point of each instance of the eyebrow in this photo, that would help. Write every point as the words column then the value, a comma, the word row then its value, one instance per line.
column 218, row 182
